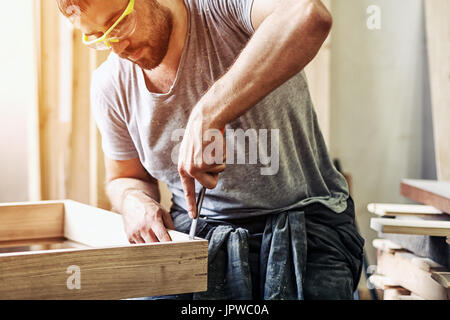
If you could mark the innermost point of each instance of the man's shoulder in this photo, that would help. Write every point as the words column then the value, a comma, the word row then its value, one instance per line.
column 109, row 74
column 230, row 15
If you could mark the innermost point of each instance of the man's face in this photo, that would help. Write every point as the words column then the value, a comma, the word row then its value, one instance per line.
column 147, row 45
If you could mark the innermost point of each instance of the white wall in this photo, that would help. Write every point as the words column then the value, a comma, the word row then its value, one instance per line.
column 17, row 97
column 380, row 124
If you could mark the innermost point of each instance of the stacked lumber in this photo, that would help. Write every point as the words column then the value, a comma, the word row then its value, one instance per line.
column 413, row 259
column 401, row 275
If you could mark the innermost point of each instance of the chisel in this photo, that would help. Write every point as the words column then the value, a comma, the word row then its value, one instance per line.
column 200, row 198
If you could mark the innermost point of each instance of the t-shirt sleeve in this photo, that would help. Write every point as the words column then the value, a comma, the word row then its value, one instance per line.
column 236, row 12
column 117, row 143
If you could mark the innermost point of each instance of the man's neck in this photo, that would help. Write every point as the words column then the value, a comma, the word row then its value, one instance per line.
column 160, row 79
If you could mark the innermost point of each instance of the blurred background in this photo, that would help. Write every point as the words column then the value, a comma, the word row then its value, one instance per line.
column 370, row 85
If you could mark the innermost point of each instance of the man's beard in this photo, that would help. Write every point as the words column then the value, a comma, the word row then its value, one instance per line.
column 155, row 49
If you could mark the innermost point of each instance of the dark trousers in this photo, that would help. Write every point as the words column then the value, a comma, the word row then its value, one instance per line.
column 334, row 251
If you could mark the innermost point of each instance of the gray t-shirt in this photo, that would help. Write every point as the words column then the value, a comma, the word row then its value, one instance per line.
column 136, row 123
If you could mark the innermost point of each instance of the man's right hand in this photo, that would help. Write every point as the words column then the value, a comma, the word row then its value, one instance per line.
column 145, row 220
column 135, row 194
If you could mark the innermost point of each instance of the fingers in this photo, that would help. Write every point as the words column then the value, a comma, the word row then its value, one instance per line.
column 217, row 169
column 199, row 160
column 152, row 228
column 208, row 180
column 157, row 233
column 167, row 220
column 158, row 226
column 206, row 175
column 137, row 238
column 148, row 236
column 188, row 184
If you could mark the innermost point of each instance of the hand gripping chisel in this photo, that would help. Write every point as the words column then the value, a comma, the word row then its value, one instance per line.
column 200, row 198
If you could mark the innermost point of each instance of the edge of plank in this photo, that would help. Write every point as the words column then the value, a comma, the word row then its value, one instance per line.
column 443, row 278
column 387, row 209
column 424, row 227
column 410, row 189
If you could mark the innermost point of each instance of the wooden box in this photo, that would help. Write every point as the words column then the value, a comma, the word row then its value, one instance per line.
column 68, row 250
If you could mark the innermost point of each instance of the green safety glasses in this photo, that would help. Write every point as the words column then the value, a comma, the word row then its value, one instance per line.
column 121, row 29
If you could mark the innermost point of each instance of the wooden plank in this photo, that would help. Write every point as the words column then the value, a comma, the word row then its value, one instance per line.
column 97, row 175
column 416, row 227
column 86, row 182
column 65, row 106
column 382, row 282
column 409, row 297
column 431, row 247
column 395, row 294
column 79, row 168
column 438, row 43
column 93, row 227
column 21, row 221
column 48, row 88
column 433, row 193
column 386, row 245
column 443, row 278
column 31, row 242
column 96, row 227
column 106, row 273
column 33, row 137
column 39, row 245
column 388, row 209
column 400, row 268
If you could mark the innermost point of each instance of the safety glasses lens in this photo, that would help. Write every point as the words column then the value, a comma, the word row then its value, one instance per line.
column 123, row 30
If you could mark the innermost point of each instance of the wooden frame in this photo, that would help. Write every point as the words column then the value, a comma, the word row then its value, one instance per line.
column 93, row 240
column 417, row 227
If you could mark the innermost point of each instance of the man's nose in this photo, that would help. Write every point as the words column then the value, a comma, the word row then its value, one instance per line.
column 119, row 47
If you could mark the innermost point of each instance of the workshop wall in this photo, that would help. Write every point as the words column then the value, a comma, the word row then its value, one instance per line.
column 17, row 98
column 381, row 126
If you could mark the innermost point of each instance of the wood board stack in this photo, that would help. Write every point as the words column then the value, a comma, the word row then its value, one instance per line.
column 414, row 256
column 402, row 275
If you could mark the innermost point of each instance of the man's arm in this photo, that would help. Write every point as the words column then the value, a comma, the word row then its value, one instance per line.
column 289, row 34
column 135, row 194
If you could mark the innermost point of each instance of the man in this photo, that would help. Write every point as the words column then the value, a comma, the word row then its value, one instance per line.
column 200, row 66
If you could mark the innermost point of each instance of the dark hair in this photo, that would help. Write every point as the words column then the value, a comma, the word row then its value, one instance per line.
column 69, row 7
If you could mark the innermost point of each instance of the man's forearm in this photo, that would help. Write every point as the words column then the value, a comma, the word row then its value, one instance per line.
column 121, row 190
column 282, row 46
